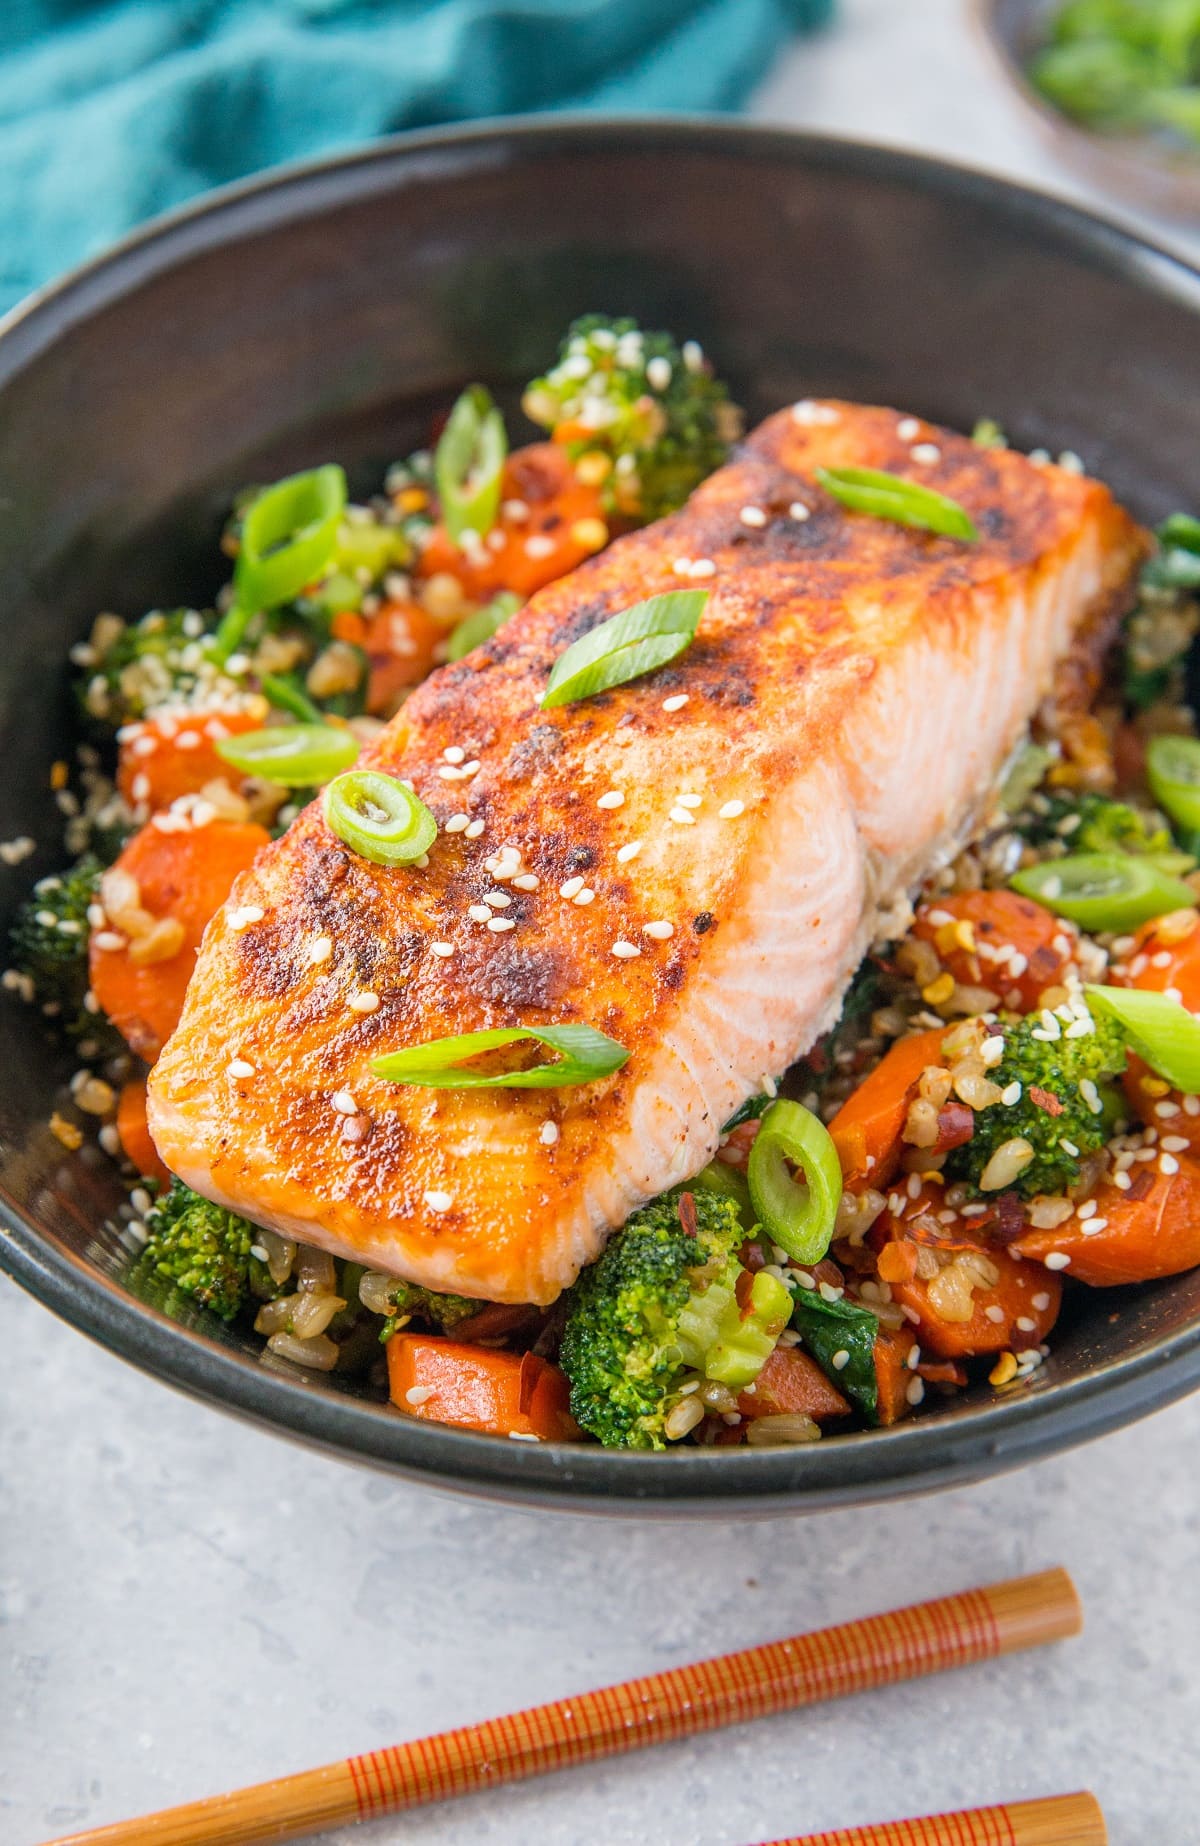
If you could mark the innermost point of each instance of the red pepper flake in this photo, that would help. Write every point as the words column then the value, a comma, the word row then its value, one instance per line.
column 955, row 1126
column 1046, row 1099
column 1009, row 1222
column 1142, row 1186
column 687, row 1214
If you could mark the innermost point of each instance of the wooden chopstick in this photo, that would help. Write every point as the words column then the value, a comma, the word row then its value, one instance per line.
column 1061, row 1820
column 953, row 1631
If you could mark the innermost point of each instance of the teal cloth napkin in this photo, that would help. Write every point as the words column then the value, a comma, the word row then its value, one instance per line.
column 111, row 110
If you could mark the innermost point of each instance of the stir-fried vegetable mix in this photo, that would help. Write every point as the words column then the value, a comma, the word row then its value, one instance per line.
column 1125, row 67
column 1009, row 1105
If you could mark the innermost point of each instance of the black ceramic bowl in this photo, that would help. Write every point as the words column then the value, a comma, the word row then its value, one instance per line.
column 322, row 315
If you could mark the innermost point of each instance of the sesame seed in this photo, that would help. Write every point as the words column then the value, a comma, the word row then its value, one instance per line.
column 908, row 429
column 682, row 818
column 343, row 1102
column 629, row 851
column 659, row 932
column 455, row 753
column 479, row 913
column 676, row 702
column 1025, row 1325
column 828, row 1293
column 438, row 1201
column 1058, row 1259
column 441, row 949
column 702, row 567
column 243, row 915
column 364, row 1002
column 1174, row 1144
column 571, row 887
column 526, row 881
column 498, row 925
column 1094, row 1226
column 797, row 510
column 731, row 810
column 1165, row 1110
column 1041, row 1302
column 625, row 951
column 994, row 1313
column 689, row 801
column 585, row 896
column 238, row 1067
column 499, row 900
column 926, row 452
column 537, row 545
column 915, row 1391
column 108, row 939
column 548, row 1134
column 1168, row 1164
column 808, row 411
column 320, row 950
column 840, row 1360
column 1010, row 1094
column 693, row 355
column 682, row 567
column 614, row 799
column 658, row 372
column 753, row 516
column 457, row 823
column 418, row 1394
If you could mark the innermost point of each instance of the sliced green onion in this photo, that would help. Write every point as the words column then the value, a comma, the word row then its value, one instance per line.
column 379, row 818
column 1103, row 890
column 583, row 1056
column 469, row 463
column 1161, row 1030
column 482, row 625
column 287, row 694
column 1180, row 529
column 294, row 755
column 641, row 638
column 889, row 496
column 1173, row 772
column 799, row 1216
column 1025, row 773
column 289, row 535
column 987, row 434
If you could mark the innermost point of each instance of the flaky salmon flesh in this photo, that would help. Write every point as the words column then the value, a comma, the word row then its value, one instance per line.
column 694, row 863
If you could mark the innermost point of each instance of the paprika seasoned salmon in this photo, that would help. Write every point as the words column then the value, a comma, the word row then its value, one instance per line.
column 693, row 863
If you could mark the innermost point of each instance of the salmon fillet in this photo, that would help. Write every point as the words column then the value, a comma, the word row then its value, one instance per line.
column 854, row 691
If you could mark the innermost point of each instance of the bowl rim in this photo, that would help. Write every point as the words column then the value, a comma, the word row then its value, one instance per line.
column 854, row 1469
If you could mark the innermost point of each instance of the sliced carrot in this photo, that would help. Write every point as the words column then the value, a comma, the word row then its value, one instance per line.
column 187, row 876
column 474, row 1387
column 892, row 1375
column 866, row 1129
column 133, row 1131
column 401, row 641
column 977, row 935
column 792, row 1382
column 1152, row 1230
column 1020, row 1292
column 165, row 757
column 1162, row 959
column 538, row 536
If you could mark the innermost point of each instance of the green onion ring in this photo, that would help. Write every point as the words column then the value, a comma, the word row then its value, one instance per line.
column 1173, row 772
column 890, row 496
column 1104, row 890
column 294, row 755
column 469, row 463
column 642, row 637
column 584, row 1055
column 379, row 818
column 1161, row 1031
column 799, row 1217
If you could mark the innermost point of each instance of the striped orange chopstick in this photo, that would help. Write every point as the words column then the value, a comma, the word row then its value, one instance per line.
column 1060, row 1820
column 880, row 1650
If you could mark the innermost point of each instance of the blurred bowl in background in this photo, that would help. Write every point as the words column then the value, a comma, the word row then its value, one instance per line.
column 1136, row 168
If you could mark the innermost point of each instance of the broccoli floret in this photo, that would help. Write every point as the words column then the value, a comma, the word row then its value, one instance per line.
column 1092, row 823
column 134, row 667
column 49, row 944
column 1066, row 1107
column 202, row 1248
column 410, row 1302
column 650, row 413
column 661, row 1308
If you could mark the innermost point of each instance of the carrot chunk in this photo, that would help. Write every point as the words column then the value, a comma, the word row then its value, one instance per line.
column 133, row 1131
column 165, row 757
column 792, row 1383
column 1152, row 1230
column 550, row 521
column 998, row 940
column 182, row 879
column 866, row 1129
column 474, row 1387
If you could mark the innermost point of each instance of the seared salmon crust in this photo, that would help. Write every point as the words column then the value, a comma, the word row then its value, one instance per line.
column 853, row 692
